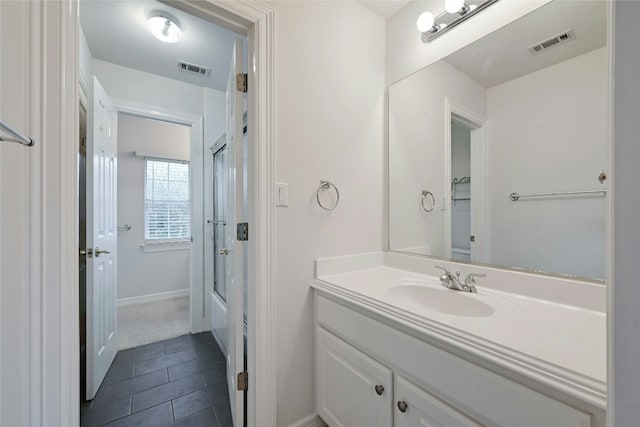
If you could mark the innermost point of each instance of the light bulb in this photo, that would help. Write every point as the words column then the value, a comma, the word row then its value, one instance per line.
column 453, row 6
column 164, row 28
column 425, row 21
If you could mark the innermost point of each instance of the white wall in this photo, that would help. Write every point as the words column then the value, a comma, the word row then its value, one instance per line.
column 555, row 141
column 143, row 273
column 416, row 151
column 146, row 88
column 329, row 109
column 407, row 54
column 86, row 59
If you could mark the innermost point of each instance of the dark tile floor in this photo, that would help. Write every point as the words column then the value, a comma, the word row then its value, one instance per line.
column 178, row 382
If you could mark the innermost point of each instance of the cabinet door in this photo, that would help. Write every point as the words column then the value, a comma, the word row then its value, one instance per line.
column 353, row 390
column 415, row 407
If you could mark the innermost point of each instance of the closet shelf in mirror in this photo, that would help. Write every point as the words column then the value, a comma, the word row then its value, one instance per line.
column 454, row 188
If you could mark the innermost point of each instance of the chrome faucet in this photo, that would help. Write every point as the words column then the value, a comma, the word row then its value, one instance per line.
column 470, row 281
column 451, row 281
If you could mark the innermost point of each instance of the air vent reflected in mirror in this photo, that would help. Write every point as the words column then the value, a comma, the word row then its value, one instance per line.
column 552, row 42
column 194, row 69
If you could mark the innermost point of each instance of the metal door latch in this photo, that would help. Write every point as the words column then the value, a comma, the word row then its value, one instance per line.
column 87, row 252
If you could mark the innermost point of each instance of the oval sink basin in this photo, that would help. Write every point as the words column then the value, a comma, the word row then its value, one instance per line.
column 443, row 300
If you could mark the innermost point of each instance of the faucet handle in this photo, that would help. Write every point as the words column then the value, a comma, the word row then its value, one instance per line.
column 446, row 278
column 471, row 277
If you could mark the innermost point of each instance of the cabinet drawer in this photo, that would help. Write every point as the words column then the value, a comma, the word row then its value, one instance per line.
column 415, row 407
column 482, row 394
column 346, row 391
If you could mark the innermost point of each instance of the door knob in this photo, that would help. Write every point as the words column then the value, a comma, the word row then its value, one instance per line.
column 99, row 251
column 379, row 389
column 224, row 251
column 402, row 406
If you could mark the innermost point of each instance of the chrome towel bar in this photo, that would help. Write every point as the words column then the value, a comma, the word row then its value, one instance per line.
column 19, row 138
column 515, row 196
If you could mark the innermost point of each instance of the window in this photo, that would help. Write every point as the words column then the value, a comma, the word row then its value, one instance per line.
column 166, row 200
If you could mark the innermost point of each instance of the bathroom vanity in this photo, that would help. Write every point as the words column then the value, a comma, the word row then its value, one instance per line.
column 395, row 348
column 496, row 162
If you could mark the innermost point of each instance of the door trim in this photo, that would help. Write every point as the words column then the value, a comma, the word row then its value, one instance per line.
column 196, row 168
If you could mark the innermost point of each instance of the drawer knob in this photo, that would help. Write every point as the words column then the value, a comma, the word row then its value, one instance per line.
column 402, row 406
column 379, row 389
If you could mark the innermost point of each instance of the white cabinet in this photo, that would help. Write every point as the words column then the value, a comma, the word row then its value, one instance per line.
column 353, row 390
column 415, row 407
column 356, row 391
column 356, row 352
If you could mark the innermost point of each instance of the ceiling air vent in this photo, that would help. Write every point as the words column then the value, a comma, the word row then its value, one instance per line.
column 193, row 68
column 552, row 42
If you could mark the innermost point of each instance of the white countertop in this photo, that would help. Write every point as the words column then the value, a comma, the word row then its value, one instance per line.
column 562, row 345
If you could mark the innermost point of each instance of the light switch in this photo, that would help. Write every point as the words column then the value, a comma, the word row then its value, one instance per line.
column 282, row 194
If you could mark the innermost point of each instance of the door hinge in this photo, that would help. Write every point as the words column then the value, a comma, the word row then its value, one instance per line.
column 242, row 232
column 242, row 82
column 242, row 384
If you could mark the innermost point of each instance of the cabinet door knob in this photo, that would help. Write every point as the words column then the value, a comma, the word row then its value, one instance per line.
column 379, row 389
column 402, row 405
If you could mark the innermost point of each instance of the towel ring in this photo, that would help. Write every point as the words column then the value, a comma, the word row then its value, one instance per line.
column 323, row 186
column 425, row 194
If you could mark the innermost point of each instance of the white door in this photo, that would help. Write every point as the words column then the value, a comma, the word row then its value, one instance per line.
column 234, row 254
column 101, row 237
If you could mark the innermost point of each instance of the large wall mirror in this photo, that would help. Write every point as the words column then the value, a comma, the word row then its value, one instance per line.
column 495, row 151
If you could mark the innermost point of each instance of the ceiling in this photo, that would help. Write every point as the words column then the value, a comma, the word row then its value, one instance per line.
column 384, row 8
column 502, row 55
column 117, row 32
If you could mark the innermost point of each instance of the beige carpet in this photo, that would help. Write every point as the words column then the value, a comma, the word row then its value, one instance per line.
column 153, row 321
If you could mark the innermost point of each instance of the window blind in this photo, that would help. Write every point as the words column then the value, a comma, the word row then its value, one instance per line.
column 166, row 200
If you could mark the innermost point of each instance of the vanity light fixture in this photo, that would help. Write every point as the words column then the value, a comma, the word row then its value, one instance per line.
column 456, row 12
column 164, row 27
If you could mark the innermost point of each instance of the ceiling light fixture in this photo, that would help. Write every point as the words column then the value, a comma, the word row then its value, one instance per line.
column 164, row 27
column 456, row 12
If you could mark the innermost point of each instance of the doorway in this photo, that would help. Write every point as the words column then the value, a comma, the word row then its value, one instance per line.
column 466, row 175
column 154, row 230
column 59, row 121
column 461, row 236
column 161, row 199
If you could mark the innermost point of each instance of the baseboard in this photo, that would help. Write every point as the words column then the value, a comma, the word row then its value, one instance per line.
column 153, row 297
column 311, row 421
